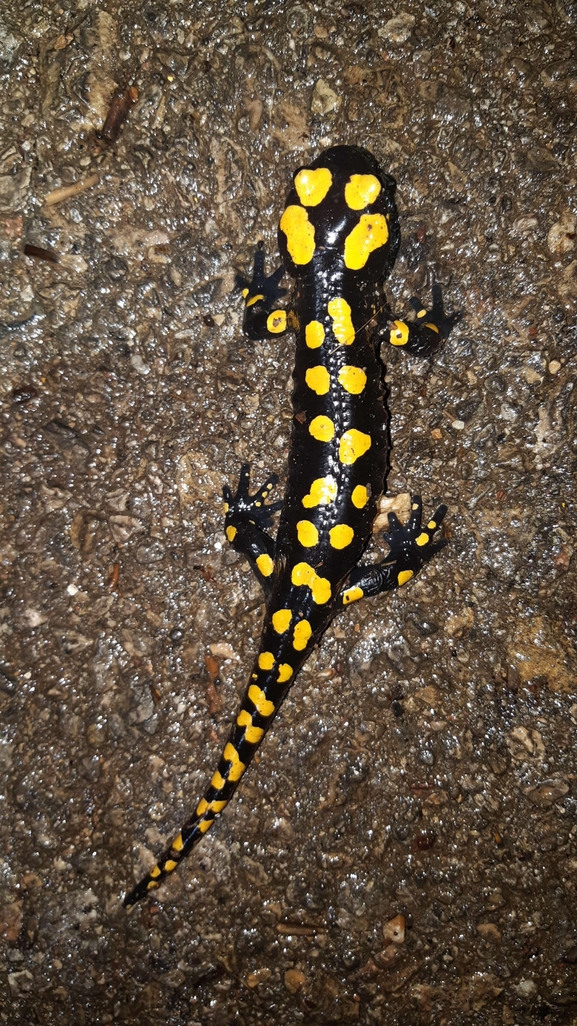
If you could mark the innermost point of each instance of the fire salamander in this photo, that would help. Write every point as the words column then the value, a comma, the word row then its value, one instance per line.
column 339, row 237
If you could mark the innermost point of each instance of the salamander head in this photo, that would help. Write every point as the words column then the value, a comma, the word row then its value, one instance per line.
column 341, row 212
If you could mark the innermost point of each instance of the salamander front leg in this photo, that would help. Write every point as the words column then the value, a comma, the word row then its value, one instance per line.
column 246, row 517
column 262, row 317
column 423, row 336
column 411, row 545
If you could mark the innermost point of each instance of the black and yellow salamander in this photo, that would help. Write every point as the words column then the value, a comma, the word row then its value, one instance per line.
column 338, row 237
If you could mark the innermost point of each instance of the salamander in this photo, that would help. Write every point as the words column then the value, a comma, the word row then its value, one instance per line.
column 338, row 238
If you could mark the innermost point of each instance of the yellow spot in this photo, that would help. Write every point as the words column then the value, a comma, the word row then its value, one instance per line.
column 281, row 620
column 312, row 185
column 433, row 327
column 360, row 496
column 432, row 525
column 225, row 507
column 318, row 379
column 423, row 539
column 201, row 808
column 169, row 865
column 371, row 232
column 217, row 781
column 266, row 661
column 244, row 293
column 422, row 312
column 231, row 533
column 265, row 564
column 205, row 825
column 253, row 300
column 399, row 335
column 303, row 573
column 285, row 673
column 155, row 872
column 251, row 734
column 341, row 536
column 314, row 334
column 178, row 843
column 152, row 884
column 361, row 190
column 353, row 444
column 322, row 428
column 276, row 321
column 404, row 576
column 237, row 767
column 353, row 379
column 352, row 595
column 307, row 534
column 323, row 491
column 300, row 234
column 218, row 806
column 260, row 701
column 302, row 633
column 340, row 312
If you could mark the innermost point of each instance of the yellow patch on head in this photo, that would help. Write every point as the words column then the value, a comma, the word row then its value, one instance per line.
column 340, row 313
column 265, row 564
column 318, row 379
column 399, row 334
column 423, row 539
column 314, row 334
column 281, row 620
column 260, row 701
column 205, row 825
column 266, row 660
column 404, row 576
column 303, row 573
column 352, row 445
column 276, row 321
column 353, row 379
column 340, row 536
column 300, row 234
column 322, row 428
column 237, row 767
column 169, row 865
column 371, row 232
column 352, row 595
column 231, row 533
column 361, row 191
column 301, row 635
column 323, row 491
column 312, row 185
column 217, row 781
column 307, row 534
column 360, row 496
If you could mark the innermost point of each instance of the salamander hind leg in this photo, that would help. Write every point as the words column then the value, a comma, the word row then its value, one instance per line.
column 262, row 317
column 424, row 335
column 411, row 546
column 246, row 519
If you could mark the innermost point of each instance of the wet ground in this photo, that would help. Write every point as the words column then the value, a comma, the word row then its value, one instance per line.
column 405, row 849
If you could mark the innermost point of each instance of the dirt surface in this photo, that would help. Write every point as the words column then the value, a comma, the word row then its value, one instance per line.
column 405, row 849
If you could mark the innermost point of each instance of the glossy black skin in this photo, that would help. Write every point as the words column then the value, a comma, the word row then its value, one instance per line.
column 324, row 278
